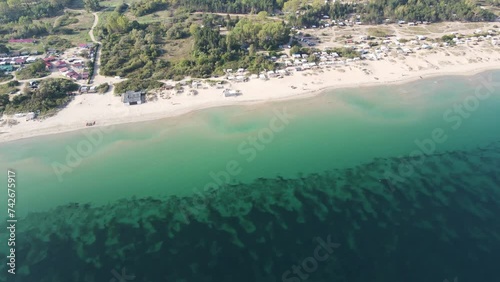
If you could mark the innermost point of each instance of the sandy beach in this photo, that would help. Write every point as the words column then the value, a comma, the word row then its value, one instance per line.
column 107, row 109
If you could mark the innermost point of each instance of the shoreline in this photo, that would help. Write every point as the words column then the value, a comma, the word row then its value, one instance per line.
column 149, row 111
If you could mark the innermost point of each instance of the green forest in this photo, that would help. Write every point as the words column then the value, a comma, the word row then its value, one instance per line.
column 20, row 15
column 377, row 11
column 34, row 70
column 50, row 95
column 27, row 10
column 133, row 50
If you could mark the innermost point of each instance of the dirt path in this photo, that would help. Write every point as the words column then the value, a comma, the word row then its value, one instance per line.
column 91, row 32
column 97, row 63
column 97, row 77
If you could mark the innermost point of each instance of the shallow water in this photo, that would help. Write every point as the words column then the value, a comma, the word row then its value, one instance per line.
column 347, row 164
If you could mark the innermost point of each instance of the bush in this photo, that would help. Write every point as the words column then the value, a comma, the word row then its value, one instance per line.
column 65, row 20
column 295, row 50
column 136, row 85
column 34, row 70
column 50, row 95
column 447, row 38
column 121, row 8
column 4, row 101
column 5, row 77
column 13, row 83
column 103, row 88
column 177, row 31
column 57, row 42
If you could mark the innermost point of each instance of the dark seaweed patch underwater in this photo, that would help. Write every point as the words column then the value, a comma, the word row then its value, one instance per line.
column 441, row 223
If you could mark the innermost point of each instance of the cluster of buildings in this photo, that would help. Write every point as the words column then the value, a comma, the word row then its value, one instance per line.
column 239, row 75
column 87, row 89
column 412, row 46
column 301, row 62
column 488, row 36
column 390, row 46
column 12, row 63
column 71, row 68
column 409, row 23
column 90, row 48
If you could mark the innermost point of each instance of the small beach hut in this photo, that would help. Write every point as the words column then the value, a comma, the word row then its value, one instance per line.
column 133, row 97
column 231, row 93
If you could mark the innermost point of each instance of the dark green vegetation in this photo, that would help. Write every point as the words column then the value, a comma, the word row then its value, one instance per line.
column 438, row 223
column 6, row 89
column 223, row 6
column 5, row 77
column 36, row 69
column 50, row 95
column 141, row 8
column 57, row 42
column 66, row 19
column 22, row 19
column 136, row 85
column 448, row 39
column 134, row 50
column 377, row 11
column 26, row 11
column 4, row 101
column 103, row 88
column 36, row 19
column 310, row 14
column 91, row 5
column 91, row 63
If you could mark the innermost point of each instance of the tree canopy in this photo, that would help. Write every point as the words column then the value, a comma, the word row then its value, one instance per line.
column 50, row 95
column 35, row 70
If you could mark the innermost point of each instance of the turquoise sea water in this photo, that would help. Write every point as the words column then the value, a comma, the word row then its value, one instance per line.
column 243, row 193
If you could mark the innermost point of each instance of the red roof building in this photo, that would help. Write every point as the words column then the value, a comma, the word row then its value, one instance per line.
column 60, row 64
